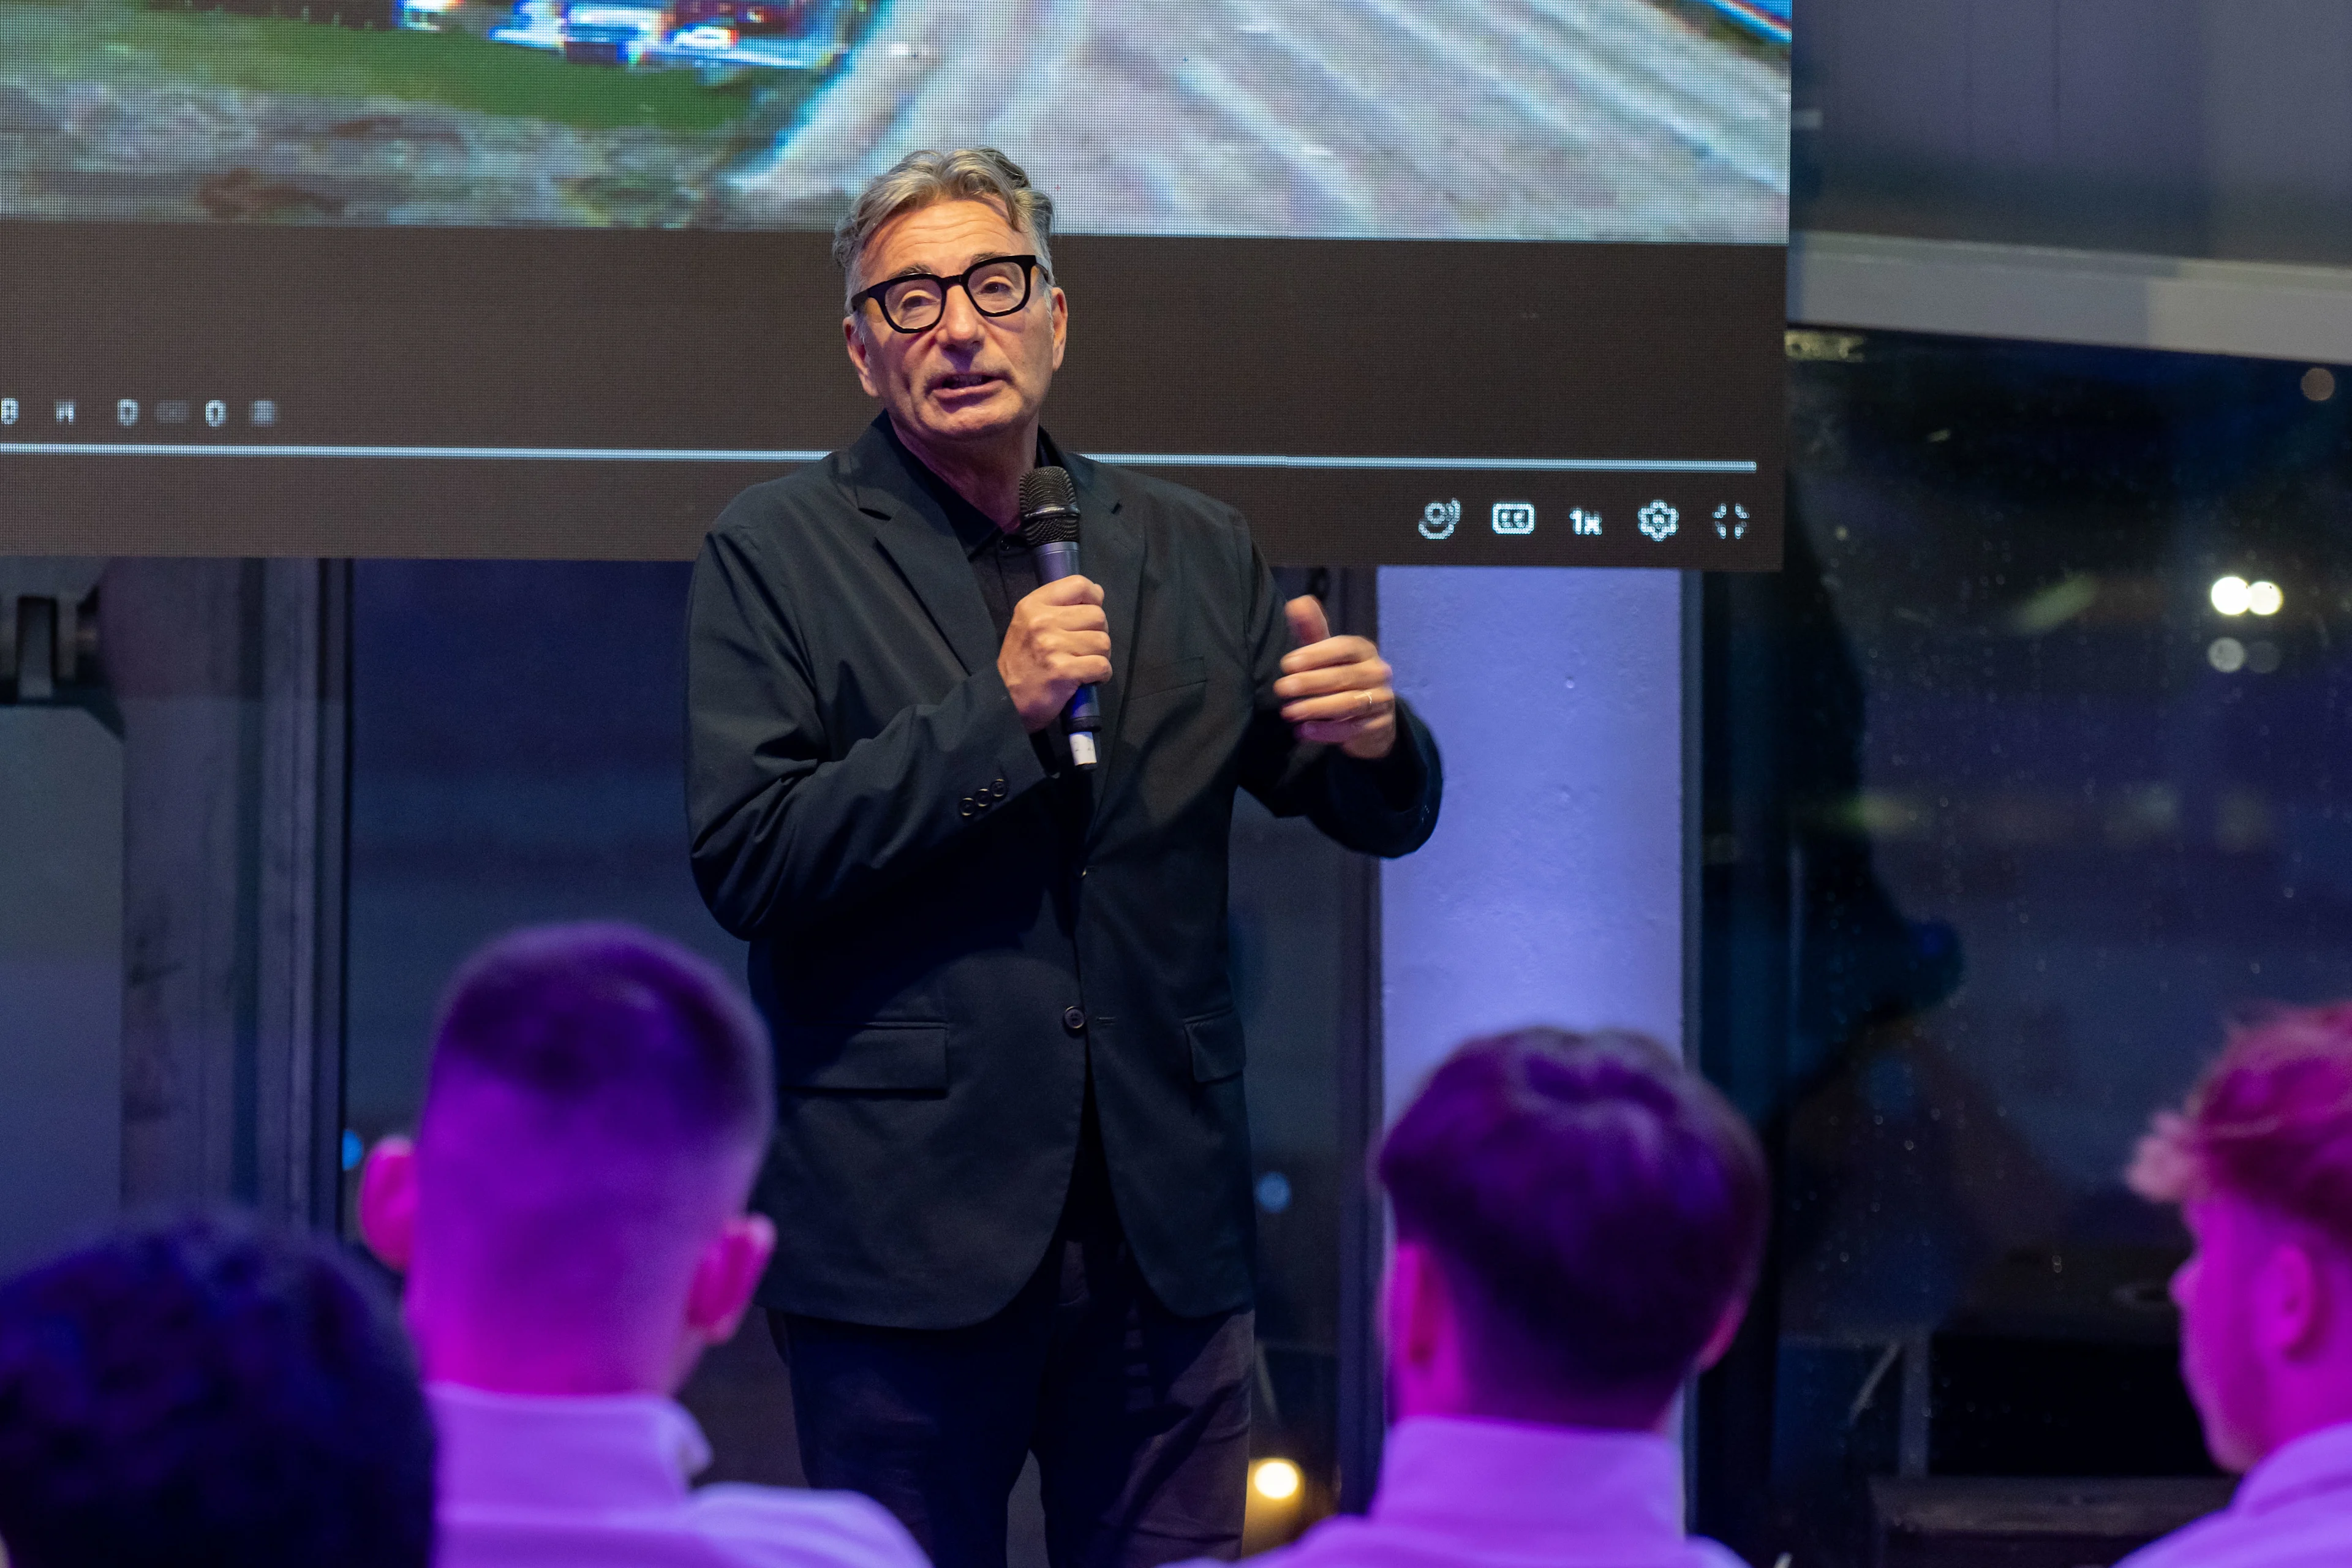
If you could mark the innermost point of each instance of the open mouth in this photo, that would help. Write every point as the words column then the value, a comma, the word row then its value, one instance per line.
column 966, row 382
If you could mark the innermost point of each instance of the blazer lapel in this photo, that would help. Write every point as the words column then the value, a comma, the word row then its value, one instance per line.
column 916, row 534
column 1110, row 551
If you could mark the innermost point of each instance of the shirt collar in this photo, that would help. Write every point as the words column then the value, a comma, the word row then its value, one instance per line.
column 973, row 527
column 1601, row 1487
column 2316, row 1461
column 597, row 1451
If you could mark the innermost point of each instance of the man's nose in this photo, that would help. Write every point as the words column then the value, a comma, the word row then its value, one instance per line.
column 959, row 318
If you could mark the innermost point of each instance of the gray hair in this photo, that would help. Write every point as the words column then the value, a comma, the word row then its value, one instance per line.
column 923, row 179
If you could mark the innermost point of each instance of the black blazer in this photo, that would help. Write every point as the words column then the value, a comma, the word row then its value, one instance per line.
column 863, row 805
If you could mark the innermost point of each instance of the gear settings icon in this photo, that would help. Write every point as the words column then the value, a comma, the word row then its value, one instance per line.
column 1658, row 520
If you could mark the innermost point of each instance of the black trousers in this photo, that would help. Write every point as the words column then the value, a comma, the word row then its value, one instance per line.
column 1140, row 1419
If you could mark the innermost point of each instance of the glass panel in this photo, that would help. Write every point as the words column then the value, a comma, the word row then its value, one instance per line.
column 2005, row 817
column 517, row 758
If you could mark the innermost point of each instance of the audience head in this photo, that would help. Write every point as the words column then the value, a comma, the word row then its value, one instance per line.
column 570, row 1214
column 207, row 1393
column 1579, row 1222
column 2260, row 1162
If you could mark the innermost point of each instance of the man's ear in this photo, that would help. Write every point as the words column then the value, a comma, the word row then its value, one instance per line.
column 727, row 1275
column 2291, row 1298
column 1718, row 1343
column 1419, row 1311
column 853, row 337
column 388, row 1200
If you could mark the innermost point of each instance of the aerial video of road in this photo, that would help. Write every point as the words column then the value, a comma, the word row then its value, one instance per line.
column 1596, row 119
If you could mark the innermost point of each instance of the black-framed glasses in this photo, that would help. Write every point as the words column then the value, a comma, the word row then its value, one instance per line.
column 997, row 286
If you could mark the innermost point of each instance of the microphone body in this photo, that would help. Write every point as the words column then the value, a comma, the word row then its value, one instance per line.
column 1049, row 526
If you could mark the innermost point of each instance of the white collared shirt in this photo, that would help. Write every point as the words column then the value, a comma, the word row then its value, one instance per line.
column 2292, row 1510
column 1502, row 1494
column 532, row 1482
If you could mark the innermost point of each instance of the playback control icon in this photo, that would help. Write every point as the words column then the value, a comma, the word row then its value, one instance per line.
column 216, row 413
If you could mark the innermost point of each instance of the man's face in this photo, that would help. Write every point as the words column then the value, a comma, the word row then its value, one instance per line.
column 2219, row 1360
column 968, row 378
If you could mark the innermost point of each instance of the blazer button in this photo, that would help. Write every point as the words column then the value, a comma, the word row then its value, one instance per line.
column 997, row 789
column 966, row 808
column 1073, row 1019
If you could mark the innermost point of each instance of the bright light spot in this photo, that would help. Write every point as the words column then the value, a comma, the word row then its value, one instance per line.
column 1274, row 1192
column 353, row 1149
column 1277, row 1480
column 2227, row 654
column 2264, row 598
column 2229, row 596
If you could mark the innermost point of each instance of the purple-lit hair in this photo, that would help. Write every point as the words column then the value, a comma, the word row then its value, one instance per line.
column 208, row 1392
column 1595, row 1209
column 610, row 1021
column 2271, row 1122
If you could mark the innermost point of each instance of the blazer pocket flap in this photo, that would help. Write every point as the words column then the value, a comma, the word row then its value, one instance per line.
column 906, row 1057
column 1174, row 676
column 1216, row 1042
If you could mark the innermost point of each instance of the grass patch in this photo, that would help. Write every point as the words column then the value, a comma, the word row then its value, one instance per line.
column 128, row 45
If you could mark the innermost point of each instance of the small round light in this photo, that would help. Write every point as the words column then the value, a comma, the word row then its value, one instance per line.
column 2230, row 595
column 2264, row 598
column 1274, row 1192
column 2227, row 654
column 1277, row 1480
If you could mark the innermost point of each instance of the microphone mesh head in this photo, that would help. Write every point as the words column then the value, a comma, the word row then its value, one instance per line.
column 1049, row 508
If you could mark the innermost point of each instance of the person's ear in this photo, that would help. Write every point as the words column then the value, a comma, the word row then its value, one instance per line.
column 853, row 333
column 1718, row 1343
column 388, row 1202
column 2291, row 1299
column 1061, row 312
column 1420, row 1316
column 727, row 1275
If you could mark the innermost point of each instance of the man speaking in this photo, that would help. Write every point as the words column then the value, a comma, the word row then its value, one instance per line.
column 1011, row 1174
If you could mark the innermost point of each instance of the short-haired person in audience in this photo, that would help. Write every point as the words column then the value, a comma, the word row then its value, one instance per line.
column 571, row 1221
column 204, row 1392
column 2260, row 1162
column 1579, row 1222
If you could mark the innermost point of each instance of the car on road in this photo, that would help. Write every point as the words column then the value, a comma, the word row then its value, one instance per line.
column 789, row 34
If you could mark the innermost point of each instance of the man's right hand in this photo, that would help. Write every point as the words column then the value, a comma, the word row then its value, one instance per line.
column 1059, row 641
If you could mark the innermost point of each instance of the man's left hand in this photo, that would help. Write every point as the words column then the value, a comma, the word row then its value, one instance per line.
column 1336, row 690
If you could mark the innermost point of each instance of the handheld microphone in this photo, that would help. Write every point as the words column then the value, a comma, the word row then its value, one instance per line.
column 1049, row 527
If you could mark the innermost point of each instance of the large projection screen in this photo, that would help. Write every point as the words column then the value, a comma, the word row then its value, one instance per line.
column 1447, row 282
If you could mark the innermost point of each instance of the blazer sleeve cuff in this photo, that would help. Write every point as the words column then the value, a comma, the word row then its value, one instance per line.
column 1394, row 796
column 1005, row 743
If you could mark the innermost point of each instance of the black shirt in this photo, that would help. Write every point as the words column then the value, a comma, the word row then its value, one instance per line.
column 1006, row 573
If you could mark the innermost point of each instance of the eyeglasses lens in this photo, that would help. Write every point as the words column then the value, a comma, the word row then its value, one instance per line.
column 997, row 288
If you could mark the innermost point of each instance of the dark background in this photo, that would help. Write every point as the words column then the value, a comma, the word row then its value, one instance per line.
column 703, row 341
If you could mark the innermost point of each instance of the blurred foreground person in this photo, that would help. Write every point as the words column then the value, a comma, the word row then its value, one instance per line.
column 2261, row 1163
column 205, row 1394
column 571, row 1220
column 1579, row 1222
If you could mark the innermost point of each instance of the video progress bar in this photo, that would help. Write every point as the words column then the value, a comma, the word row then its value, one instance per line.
column 717, row 455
